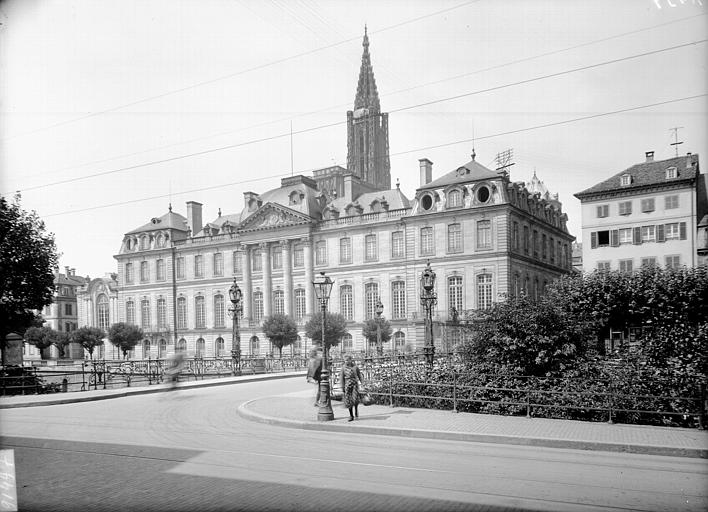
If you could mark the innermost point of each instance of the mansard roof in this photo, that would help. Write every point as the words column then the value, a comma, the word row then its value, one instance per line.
column 394, row 198
column 170, row 220
column 647, row 174
column 471, row 171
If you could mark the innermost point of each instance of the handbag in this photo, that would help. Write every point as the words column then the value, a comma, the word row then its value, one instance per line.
column 366, row 399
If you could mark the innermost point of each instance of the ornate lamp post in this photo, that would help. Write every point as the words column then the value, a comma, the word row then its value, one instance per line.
column 236, row 297
column 323, row 287
column 379, row 311
column 428, row 298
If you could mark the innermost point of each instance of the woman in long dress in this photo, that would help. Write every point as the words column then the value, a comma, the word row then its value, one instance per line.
column 350, row 377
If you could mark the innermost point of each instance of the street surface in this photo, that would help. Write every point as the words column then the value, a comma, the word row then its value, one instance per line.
column 190, row 450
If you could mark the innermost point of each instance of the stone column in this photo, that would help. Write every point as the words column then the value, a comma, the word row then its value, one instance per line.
column 287, row 276
column 309, row 271
column 247, row 284
column 267, row 280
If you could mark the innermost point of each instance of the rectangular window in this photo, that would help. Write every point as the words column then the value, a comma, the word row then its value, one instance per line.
column 144, row 272
column 671, row 231
column 673, row 261
column 544, row 248
column 371, row 250
column 484, row 291
column 68, row 309
column 218, row 311
column 371, row 298
column 218, row 264
column 160, row 269
column 527, row 240
column 198, row 266
column 161, row 313
column 199, row 312
column 398, row 300
column 603, row 210
column 181, row 313
column 599, row 239
column 625, row 236
column 484, row 234
column 321, row 252
column 345, row 250
column 300, row 303
column 671, row 202
column 346, row 302
column 129, row 277
column 648, row 205
column 427, row 247
column 454, row 293
column 180, row 268
column 515, row 236
column 237, row 262
column 298, row 256
column 145, row 314
column 625, row 208
column 649, row 262
column 279, row 302
column 603, row 265
column 397, row 246
column 454, row 238
column 130, row 312
column 277, row 257
column 536, row 244
column 625, row 265
column 551, row 252
column 256, row 261
column 648, row 234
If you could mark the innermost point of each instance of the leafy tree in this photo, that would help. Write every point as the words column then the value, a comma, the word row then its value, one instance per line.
column 40, row 337
column 525, row 337
column 281, row 330
column 125, row 336
column 335, row 329
column 370, row 332
column 89, row 338
column 28, row 257
column 61, row 341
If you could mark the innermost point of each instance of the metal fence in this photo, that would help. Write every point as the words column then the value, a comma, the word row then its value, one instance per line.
column 110, row 374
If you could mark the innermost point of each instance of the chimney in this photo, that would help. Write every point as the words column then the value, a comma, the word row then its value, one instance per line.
column 426, row 171
column 194, row 217
column 689, row 161
column 73, row 271
column 67, row 271
column 650, row 156
column 349, row 187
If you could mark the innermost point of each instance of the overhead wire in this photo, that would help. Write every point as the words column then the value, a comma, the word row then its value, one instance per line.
column 385, row 95
column 436, row 146
column 319, row 127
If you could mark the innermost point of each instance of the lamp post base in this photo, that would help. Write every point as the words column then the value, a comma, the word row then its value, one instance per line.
column 236, row 365
column 325, row 412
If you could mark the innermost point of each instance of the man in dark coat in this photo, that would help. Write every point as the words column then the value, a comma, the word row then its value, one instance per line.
column 314, row 372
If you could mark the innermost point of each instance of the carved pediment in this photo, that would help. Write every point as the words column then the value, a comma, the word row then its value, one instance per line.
column 272, row 215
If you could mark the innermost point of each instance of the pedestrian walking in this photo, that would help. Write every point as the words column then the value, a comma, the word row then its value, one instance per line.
column 350, row 377
column 314, row 372
column 175, row 362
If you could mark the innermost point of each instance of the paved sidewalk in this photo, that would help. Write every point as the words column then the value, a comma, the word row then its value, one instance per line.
column 10, row 402
column 296, row 410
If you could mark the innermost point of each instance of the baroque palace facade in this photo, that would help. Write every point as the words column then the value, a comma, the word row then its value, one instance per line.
column 485, row 237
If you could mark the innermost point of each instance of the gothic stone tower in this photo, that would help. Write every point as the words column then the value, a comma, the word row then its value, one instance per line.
column 367, row 130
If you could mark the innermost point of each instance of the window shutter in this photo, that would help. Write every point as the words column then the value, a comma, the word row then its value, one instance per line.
column 682, row 230
column 599, row 211
column 660, row 233
column 615, row 238
column 593, row 240
column 637, row 236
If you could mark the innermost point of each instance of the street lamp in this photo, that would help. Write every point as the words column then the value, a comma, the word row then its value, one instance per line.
column 428, row 299
column 236, row 298
column 323, row 287
column 379, row 310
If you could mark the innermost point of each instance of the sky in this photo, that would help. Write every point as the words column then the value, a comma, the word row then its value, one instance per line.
column 110, row 110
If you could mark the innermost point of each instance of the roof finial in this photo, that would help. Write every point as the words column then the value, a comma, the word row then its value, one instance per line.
column 474, row 155
column 170, row 208
column 366, row 37
column 219, row 212
column 398, row 183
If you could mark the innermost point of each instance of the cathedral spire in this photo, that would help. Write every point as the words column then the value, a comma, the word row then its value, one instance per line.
column 366, row 94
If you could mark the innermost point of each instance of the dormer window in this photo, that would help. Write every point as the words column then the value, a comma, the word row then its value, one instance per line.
column 296, row 197
column 671, row 173
column 454, row 198
column 483, row 194
column 426, row 202
column 625, row 180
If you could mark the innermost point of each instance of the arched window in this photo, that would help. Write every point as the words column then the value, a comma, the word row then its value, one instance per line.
column 258, row 306
column 163, row 349
column 346, row 302
column 146, row 349
column 398, row 300
column 130, row 312
column 300, row 303
column 219, row 347
column 145, row 314
column 347, row 343
column 182, row 345
column 371, row 297
column 218, row 310
column 200, row 348
column 279, row 302
column 181, row 313
column 102, row 313
column 454, row 292
column 399, row 341
column 161, row 313
column 454, row 198
column 199, row 312
column 255, row 346
column 484, row 291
